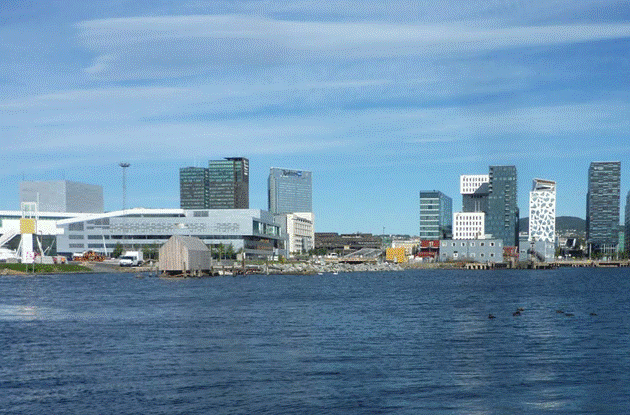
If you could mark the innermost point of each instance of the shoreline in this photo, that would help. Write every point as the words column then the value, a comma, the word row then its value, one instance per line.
column 276, row 268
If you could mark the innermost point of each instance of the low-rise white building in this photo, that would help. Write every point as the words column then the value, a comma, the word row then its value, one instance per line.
column 253, row 231
column 299, row 231
column 476, row 250
column 469, row 225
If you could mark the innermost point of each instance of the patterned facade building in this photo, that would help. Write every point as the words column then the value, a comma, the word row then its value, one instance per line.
column 542, row 211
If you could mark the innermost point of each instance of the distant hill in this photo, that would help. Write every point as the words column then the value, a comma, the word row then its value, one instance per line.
column 563, row 224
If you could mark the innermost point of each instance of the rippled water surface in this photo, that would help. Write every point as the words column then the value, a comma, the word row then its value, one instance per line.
column 417, row 342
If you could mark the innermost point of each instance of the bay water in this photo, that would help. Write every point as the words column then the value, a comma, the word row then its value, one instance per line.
column 412, row 342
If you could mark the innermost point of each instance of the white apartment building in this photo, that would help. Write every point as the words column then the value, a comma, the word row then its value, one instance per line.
column 299, row 231
column 469, row 225
column 469, row 183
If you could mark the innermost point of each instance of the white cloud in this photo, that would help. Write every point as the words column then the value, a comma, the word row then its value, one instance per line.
column 189, row 45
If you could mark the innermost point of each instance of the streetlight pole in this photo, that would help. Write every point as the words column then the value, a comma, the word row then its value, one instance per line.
column 124, row 167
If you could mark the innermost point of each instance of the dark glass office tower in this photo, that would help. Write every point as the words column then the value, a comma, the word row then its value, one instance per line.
column 477, row 201
column 290, row 191
column 626, row 239
column 228, row 183
column 193, row 188
column 436, row 215
column 602, row 206
column 222, row 185
column 503, row 214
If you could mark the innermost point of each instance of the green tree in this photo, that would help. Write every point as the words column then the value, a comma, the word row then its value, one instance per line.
column 150, row 251
column 118, row 250
column 229, row 252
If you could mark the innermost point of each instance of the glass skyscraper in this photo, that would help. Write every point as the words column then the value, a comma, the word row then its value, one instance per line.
column 627, row 227
column 193, row 188
column 503, row 214
column 290, row 191
column 228, row 183
column 224, row 184
column 436, row 215
column 602, row 206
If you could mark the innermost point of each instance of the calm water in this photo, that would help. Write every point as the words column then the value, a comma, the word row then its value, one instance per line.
column 402, row 343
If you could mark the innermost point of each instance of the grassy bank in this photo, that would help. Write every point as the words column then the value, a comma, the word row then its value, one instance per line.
column 42, row 268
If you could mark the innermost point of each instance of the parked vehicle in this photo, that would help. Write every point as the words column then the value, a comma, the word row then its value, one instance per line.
column 131, row 259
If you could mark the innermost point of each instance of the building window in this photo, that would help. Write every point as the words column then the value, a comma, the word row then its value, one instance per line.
column 78, row 226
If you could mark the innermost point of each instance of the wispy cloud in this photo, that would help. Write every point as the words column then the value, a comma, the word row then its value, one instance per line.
column 342, row 84
column 190, row 45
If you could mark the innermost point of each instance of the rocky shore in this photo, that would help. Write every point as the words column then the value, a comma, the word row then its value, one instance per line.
column 306, row 268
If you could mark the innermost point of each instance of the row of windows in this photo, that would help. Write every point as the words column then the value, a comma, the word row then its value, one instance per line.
column 445, row 243
column 471, row 255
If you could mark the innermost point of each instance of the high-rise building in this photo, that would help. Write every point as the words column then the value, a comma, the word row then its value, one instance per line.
column 503, row 214
column 602, row 206
column 63, row 196
column 542, row 211
column 436, row 215
column 474, row 190
column 627, row 223
column 290, row 191
column 193, row 188
column 228, row 183
column 224, row 184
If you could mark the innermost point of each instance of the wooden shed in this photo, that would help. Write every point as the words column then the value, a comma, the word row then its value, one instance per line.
column 185, row 255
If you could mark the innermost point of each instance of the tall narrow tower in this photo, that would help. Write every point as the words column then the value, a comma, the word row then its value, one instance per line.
column 228, row 183
column 602, row 206
column 503, row 214
column 542, row 211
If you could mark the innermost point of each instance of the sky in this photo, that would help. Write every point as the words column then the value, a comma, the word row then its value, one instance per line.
column 379, row 99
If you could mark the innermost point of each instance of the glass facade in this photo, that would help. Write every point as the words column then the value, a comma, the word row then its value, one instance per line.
column 503, row 214
column 223, row 185
column 193, row 188
column 602, row 205
column 476, row 201
column 436, row 215
column 228, row 183
column 290, row 191
column 627, row 227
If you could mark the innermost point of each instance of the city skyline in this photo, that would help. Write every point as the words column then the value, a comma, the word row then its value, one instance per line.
column 378, row 102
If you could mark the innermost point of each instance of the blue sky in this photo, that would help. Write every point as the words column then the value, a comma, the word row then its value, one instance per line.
column 378, row 99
